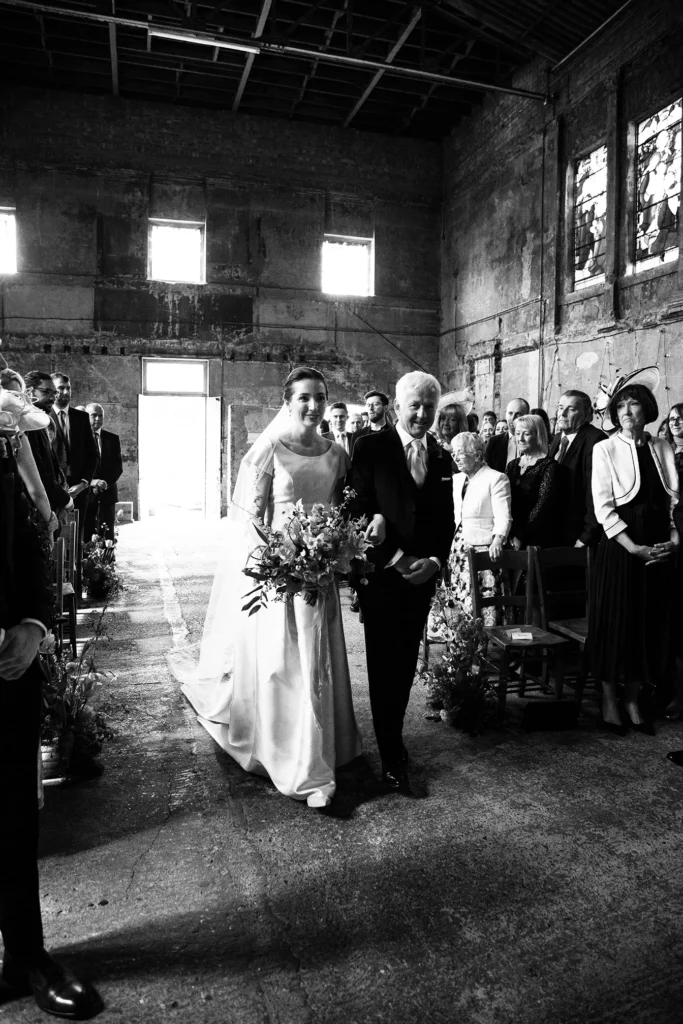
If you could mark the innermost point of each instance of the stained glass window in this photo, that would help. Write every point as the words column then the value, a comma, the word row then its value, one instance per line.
column 658, row 187
column 590, row 208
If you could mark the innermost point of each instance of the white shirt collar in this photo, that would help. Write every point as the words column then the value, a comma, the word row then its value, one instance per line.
column 407, row 439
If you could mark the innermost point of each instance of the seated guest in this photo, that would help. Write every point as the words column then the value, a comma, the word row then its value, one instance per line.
column 635, row 491
column 501, row 450
column 481, row 498
column 572, row 449
column 451, row 420
column 339, row 414
column 41, row 390
column 533, row 485
column 546, row 422
column 101, row 514
column 375, row 415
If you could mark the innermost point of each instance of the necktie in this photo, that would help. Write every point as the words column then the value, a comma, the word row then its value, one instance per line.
column 64, row 423
column 416, row 461
column 562, row 450
column 97, row 441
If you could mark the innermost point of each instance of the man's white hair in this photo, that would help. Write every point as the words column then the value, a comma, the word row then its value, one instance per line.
column 417, row 381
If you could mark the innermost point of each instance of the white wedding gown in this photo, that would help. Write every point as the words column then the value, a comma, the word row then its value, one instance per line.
column 285, row 709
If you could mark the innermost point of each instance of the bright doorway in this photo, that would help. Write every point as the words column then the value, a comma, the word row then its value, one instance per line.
column 179, row 441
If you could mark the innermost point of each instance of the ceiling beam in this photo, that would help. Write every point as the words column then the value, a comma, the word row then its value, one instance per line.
column 417, row 14
column 508, row 27
column 258, row 31
column 284, row 50
column 346, row 7
column 407, row 121
column 113, row 54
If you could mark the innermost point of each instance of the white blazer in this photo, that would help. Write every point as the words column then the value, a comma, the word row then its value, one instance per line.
column 616, row 477
column 486, row 509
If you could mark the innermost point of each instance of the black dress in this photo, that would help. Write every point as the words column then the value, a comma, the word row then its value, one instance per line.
column 535, row 507
column 629, row 631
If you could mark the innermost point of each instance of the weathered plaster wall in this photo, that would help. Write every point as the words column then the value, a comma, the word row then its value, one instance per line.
column 510, row 321
column 85, row 173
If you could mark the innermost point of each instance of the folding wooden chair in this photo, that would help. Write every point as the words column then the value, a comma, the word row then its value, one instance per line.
column 58, row 589
column 69, row 587
column 554, row 600
column 543, row 645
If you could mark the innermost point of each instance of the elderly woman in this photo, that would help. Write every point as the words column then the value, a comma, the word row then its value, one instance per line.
column 635, row 490
column 533, row 486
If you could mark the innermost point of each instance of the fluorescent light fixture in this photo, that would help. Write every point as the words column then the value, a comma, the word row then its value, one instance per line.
column 189, row 37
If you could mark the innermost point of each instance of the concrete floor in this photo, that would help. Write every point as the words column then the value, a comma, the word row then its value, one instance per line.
column 537, row 879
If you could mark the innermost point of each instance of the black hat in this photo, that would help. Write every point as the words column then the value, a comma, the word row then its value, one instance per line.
column 378, row 394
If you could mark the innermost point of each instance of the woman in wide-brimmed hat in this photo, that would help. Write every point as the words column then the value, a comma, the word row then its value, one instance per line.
column 635, row 490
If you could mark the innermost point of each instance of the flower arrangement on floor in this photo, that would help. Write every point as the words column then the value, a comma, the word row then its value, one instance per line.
column 460, row 688
column 307, row 553
column 70, row 727
column 98, row 567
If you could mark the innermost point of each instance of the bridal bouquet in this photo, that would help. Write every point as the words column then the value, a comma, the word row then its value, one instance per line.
column 307, row 553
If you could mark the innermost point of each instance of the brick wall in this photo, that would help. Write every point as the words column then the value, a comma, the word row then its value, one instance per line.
column 86, row 172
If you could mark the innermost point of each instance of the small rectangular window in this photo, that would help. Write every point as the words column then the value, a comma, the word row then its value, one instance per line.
column 658, row 187
column 347, row 266
column 8, row 241
column 176, row 251
column 590, row 215
column 174, row 377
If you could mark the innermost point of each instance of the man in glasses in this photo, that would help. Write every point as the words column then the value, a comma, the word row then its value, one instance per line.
column 41, row 390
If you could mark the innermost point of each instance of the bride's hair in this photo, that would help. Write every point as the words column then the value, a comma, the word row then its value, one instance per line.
column 301, row 373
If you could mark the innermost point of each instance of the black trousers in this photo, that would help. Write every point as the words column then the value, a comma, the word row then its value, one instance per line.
column 20, row 922
column 394, row 617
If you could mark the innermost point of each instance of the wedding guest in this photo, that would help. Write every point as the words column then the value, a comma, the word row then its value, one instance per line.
column 533, row 486
column 546, row 421
column 488, row 426
column 482, row 506
column 501, row 450
column 355, row 422
column 472, row 422
column 74, row 446
column 572, row 449
column 41, row 390
column 375, row 415
column 101, row 514
column 339, row 415
column 365, row 420
column 40, row 512
column 25, row 597
column 662, row 429
column 402, row 480
column 451, row 420
column 674, row 435
column 501, row 427
column 635, row 490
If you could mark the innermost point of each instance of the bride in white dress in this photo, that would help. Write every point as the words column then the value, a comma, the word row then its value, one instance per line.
column 273, row 688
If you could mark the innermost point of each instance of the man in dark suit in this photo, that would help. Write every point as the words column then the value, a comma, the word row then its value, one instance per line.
column 403, row 483
column 74, row 446
column 103, row 490
column 41, row 389
column 339, row 414
column 376, row 405
column 501, row 448
column 25, row 600
column 572, row 448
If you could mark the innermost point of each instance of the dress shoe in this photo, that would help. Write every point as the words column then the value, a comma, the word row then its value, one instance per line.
column 612, row 727
column 355, row 607
column 676, row 756
column 55, row 989
column 396, row 779
column 647, row 728
column 674, row 711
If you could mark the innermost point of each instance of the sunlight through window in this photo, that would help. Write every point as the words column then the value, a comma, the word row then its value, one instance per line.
column 347, row 266
column 8, row 242
column 176, row 252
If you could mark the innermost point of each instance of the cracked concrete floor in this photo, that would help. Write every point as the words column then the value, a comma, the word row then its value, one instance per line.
column 538, row 879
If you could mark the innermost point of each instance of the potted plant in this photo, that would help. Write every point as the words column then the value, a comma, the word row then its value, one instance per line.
column 460, row 688
column 72, row 732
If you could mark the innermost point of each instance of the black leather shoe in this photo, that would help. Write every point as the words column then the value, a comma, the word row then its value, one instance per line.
column 55, row 989
column 355, row 606
column 396, row 780
column 647, row 728
column 610, row 727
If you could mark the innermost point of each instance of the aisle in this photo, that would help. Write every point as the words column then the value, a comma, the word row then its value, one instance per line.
column 537, row 879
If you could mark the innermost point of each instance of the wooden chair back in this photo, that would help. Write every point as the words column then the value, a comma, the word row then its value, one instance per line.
column 58, row 575
column 548, row 563
column 517, row 569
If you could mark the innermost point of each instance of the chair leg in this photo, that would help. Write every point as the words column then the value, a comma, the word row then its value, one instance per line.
column 581, row 676
column 559, row 673
column 503, row 684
